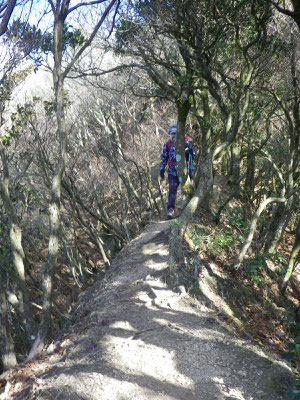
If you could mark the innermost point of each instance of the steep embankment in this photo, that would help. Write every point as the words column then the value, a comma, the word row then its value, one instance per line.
column 138, row 335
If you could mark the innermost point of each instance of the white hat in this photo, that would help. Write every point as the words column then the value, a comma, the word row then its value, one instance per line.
column 173, row 129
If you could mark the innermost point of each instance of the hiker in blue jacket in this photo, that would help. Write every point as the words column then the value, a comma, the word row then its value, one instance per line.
column 169, row 157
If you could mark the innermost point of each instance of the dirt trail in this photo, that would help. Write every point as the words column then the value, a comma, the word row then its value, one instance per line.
column 137, row 337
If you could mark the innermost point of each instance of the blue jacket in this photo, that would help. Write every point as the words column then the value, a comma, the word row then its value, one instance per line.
column 169, row 156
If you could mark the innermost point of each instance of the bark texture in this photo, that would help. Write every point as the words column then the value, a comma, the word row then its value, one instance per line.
column 8, row 356
column 293, row 259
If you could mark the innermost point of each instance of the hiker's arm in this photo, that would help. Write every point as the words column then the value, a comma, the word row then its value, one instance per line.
column 193, row 152
column 189, row 150
column 164, row 158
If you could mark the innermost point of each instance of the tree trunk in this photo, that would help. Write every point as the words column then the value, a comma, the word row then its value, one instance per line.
column 124, row 207
column 6, row 15
column 249, row 182
column 293, row 259
column 202, row 190
column 252, row 227
column 49, row 269
column 60, row 9
column 54, row 206
column 15, row 233
column 277, row 226
column 183, row 111
column 234, row 172
column 8, row 356
column 183, row 108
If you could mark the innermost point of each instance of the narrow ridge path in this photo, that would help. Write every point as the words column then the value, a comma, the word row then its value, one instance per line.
column 134, row 336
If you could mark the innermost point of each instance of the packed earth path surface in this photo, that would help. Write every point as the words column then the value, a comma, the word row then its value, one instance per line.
column 139, row 335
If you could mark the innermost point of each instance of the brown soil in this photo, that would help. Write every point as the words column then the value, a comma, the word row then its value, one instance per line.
column 139, row 335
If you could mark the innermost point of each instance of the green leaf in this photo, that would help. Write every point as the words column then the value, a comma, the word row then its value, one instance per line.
column 295, row 383
column 294, row 393
column 288, row 356
column 60, row 323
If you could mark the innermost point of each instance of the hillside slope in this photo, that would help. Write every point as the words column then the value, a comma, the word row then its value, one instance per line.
column 139, row 335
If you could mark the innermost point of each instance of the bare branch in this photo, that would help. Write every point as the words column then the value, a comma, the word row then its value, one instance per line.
column 52, row 6
column 89, row 41
column 114, row 19
column 10, row 5
column 88, row 3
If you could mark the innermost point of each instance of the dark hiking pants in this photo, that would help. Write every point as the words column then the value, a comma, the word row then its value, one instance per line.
column 173, row 185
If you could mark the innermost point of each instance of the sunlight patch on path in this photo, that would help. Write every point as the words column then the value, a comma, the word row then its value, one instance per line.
column 125, row 325
column 150, row 250
column 135, row 357
column 140, row 336
column 232, row 393
column 110, row 388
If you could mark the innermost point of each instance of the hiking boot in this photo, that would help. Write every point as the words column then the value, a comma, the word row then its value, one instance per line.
column 170, row 213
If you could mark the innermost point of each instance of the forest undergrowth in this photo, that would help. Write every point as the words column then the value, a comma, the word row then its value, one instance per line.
column 254, row 305
column 257, row 307
column 252, row 292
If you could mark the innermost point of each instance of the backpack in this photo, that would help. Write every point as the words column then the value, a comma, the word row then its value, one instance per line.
column 188, row 146
column 170, row 144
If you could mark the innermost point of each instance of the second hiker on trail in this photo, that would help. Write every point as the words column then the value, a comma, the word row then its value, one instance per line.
column 169, row 157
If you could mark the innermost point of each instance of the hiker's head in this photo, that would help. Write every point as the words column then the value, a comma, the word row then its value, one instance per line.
column 172, row 131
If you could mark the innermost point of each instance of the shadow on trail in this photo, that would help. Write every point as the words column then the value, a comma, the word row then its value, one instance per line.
column 238, row 296
column 135, row 338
